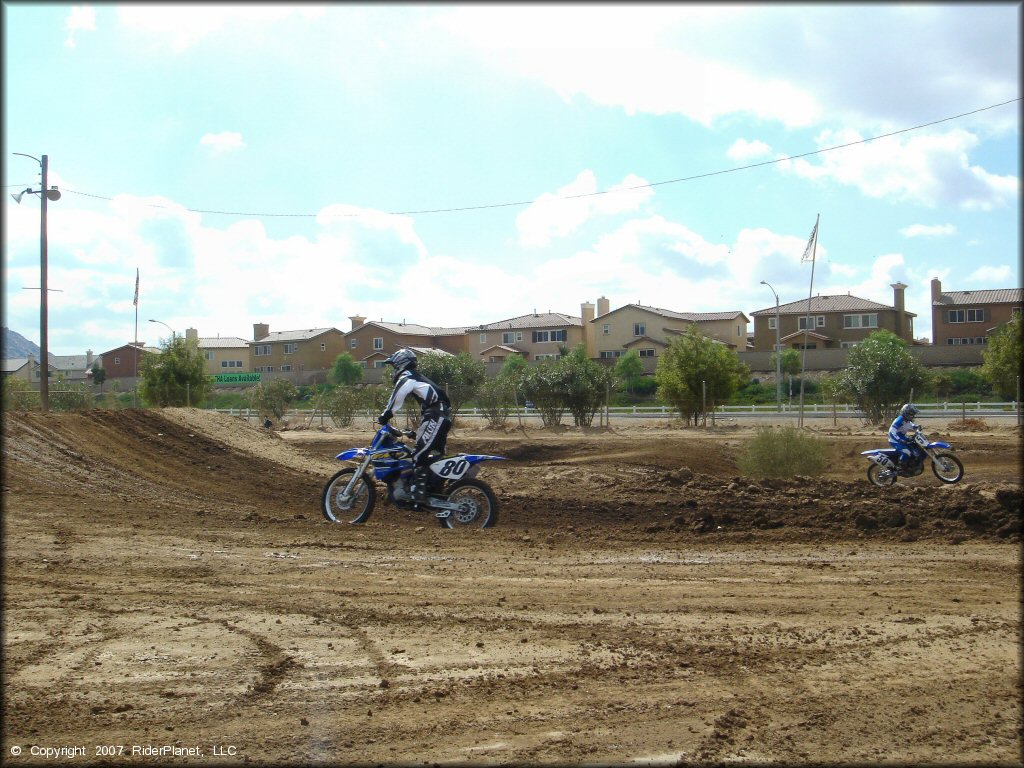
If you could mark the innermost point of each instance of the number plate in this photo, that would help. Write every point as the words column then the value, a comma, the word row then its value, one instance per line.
column 450, row 469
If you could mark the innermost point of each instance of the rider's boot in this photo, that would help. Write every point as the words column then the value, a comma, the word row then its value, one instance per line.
column 420, row 481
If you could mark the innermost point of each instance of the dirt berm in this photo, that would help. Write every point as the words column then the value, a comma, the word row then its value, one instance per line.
column 172, row 594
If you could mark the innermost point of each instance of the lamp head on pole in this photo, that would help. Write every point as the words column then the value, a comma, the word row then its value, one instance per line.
column 19, row 195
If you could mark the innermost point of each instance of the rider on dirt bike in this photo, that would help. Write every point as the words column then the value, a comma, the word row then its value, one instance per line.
column 899, row 439
column 434, row 419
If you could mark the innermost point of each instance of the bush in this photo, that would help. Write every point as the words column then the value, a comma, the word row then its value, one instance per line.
column 341, row 405
column 496, row 398
column 18, row 395
column 784, row 452
column 70, row 397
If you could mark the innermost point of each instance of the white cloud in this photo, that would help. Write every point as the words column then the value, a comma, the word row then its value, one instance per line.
column 928, row 169
column 747, row 150
column 558, row 214
column 80, row 18
column 223, row 142
column 926, row 230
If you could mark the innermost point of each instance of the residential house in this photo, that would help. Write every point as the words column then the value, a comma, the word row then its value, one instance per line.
column 223, row 354
column 970, row 317
column 649, row 330
column 304, row 356
column 73, row 369
column 370, row 343
column 124, row 363
column 832, row 322
column 25, row 368
column 537, row 336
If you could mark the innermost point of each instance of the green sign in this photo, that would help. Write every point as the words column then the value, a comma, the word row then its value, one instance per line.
column 236, row 378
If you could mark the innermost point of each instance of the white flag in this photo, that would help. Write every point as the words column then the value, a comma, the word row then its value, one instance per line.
column 809, row 250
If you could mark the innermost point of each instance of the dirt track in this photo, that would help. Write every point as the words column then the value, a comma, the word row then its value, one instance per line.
column 169, row 582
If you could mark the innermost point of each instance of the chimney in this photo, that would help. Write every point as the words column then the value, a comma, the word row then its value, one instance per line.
column 88, row 358
column 936, row 290
column 899, row 304
column 602, row 306
column 191, row 334
column 587, row 311
column 357, row 321
column 260, row 331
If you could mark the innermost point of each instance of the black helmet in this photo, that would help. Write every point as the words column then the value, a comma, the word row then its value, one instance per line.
column 403, row 360
column 908, row 411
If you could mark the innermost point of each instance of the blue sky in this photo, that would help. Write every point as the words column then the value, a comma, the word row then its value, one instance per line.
column 296, row 165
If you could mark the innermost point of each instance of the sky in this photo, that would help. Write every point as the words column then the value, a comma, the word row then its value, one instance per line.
column 454, row 165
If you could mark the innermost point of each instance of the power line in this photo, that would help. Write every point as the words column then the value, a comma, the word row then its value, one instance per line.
column 590, row 194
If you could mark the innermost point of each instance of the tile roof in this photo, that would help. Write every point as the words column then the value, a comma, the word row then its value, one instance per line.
column 690, row 317
column 73, row 362
column 533, row 320
column 270, row 338
column 825, row 304
column 222, row 342
column 411, row 329
column 994, row 296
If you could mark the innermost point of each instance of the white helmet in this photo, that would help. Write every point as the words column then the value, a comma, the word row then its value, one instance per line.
column 403, row 360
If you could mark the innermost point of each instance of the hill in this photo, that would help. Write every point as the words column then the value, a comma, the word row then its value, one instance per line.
column 16, row 345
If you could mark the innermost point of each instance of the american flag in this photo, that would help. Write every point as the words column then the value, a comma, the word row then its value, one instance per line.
column 809, row 250
column 136, row 301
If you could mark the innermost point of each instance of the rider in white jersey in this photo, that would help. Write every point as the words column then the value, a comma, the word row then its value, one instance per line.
column 434, row 414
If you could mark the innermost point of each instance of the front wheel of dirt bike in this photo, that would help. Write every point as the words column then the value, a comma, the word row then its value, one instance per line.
column 477, row 506
column 947, row 468
column 355, row 509
column 880, row 476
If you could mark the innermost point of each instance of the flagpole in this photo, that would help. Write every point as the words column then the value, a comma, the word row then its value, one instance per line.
column 807, row 319
column 135, row 346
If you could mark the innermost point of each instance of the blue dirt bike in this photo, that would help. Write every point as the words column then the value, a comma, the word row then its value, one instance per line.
column 884, row 468
column 455, row 496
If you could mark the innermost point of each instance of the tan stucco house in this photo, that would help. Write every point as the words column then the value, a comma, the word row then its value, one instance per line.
column 970, row 317
column 223, row 354
column 304, row 356
column 537, row 336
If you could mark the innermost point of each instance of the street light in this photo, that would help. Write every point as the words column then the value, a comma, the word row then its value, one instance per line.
column 44, row 352
column 165, row 325
column 778, row 352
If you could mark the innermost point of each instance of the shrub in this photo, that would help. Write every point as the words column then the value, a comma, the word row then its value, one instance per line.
column 496, row 398
column 19, row 395
column 341, row 405
column 784, row 452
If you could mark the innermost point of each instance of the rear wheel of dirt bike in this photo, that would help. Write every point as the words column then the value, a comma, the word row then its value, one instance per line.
column 357, row 508
column 880, row 476
column 947, row 468
column 477, row 506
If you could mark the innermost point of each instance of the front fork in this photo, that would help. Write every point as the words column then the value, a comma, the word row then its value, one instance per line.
column 347, row 493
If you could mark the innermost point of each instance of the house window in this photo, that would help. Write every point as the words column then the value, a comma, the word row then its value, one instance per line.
column 323, row 346
column 286, row 368
column 967, row 315
column 208, row 355
column 848, row 344
column 483, row 338
column 607, row 354
column 558, row 335
column 639, row 329
column 807, row 346
column 646, row 352
column 353, row 343
column 511, row 337
column 812, row 321
column 546, row 357
column 230, row 363
column 739, row 331
column 1015, row 312
column 378, row 343
column 540, row 336
column 117, row 361
column 262, row 349
column 771, row 323
column 861, row 321
column 606, row 329
column 378, row 363
column 290, row 347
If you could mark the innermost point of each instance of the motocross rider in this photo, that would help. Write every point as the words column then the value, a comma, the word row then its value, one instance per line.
column 434, row 415
column 899, row 437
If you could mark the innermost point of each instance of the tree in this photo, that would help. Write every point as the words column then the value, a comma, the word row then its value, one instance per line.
column 176, row 376
column 544, row 384
column 99, row 375
column 1003, row 357
column 346, row 371
column 459, row 375
column 272, row 398
column 629, row 368
column 693, row 364
column 586, row 384
column 880, row 375
column 791, row 361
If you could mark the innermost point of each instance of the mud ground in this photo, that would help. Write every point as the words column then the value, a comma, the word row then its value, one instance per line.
column 172, row 595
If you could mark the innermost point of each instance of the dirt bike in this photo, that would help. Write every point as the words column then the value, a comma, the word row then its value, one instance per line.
column 885, row 468
column 454, row 494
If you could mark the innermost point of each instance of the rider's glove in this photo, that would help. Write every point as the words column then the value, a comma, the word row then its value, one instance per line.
column 385, row 417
